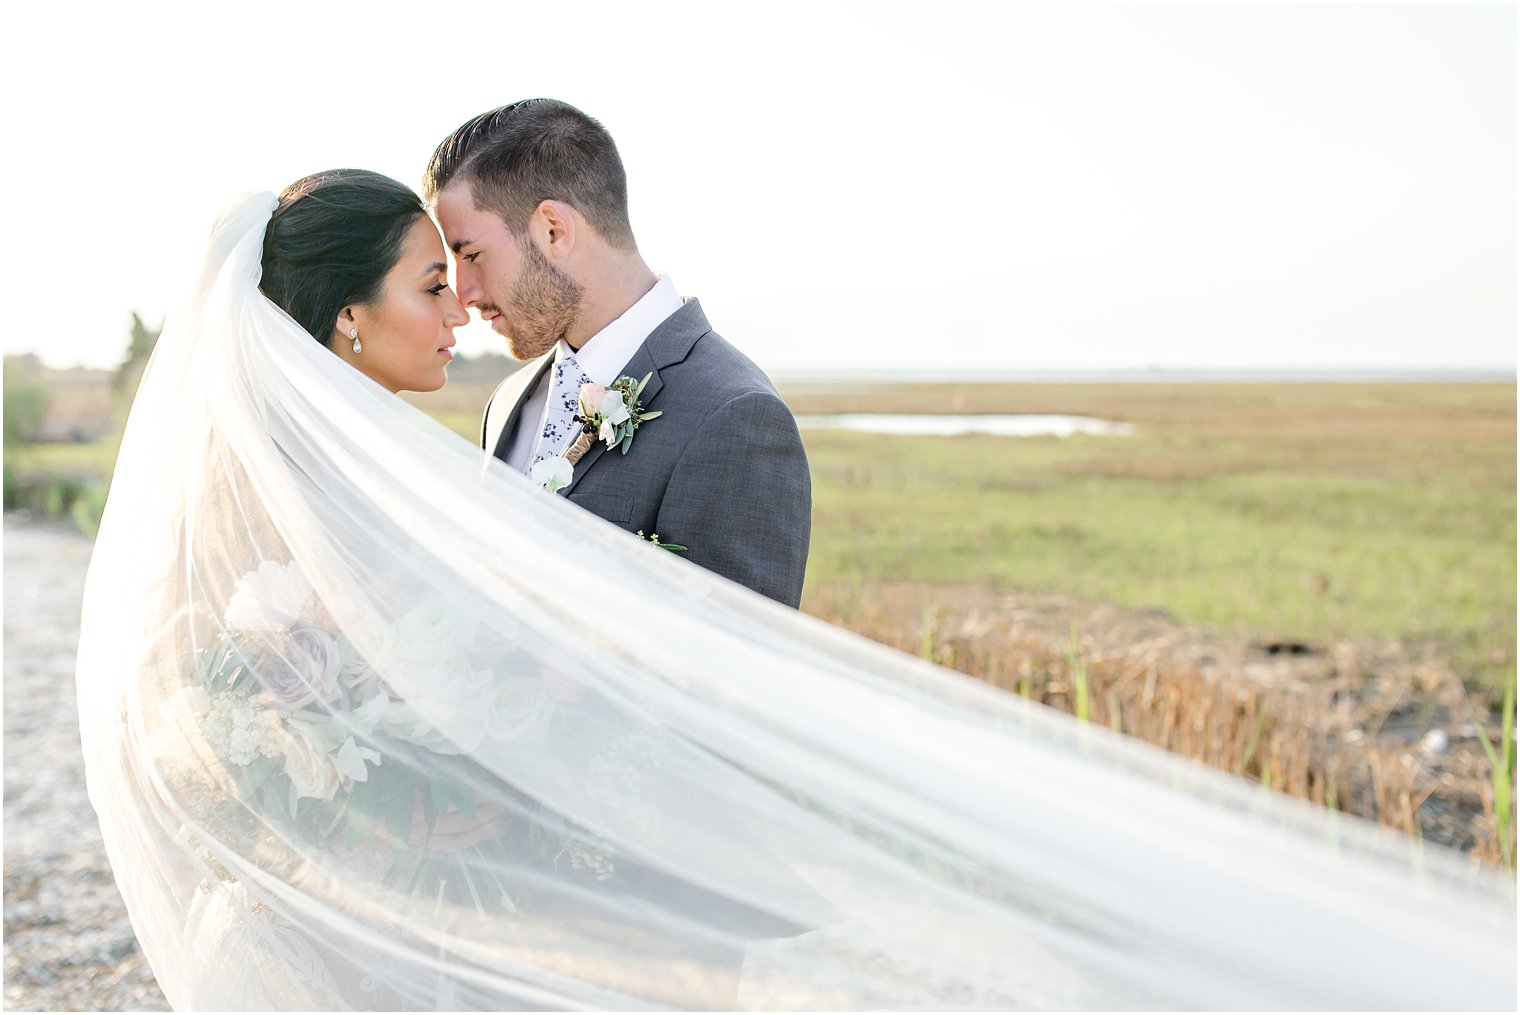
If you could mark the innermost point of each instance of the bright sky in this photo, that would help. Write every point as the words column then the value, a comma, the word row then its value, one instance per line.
column 951, row 186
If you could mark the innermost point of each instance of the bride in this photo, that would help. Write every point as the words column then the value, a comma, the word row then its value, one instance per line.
column 372, row 723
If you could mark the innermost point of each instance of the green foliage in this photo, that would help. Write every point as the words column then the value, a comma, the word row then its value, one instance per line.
column 1503, row 775
column 63, row 481
column 1077, row 667
column 88, row 507
column 80, row 500
column 139, row 347
column 26, row 403
column 1251, row 745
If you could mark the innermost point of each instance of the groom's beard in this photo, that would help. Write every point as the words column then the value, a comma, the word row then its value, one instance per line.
column 542, row 307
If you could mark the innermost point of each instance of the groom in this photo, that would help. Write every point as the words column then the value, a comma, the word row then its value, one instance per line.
column 533, row 202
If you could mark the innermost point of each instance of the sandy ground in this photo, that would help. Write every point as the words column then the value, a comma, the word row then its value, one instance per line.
column 68, row 943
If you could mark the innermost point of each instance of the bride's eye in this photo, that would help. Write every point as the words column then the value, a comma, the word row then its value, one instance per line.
column 440, row 287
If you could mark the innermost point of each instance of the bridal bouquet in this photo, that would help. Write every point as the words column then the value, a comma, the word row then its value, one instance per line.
column 320, row 744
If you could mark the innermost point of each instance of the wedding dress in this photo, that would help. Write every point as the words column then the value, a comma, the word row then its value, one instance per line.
column 371, row 724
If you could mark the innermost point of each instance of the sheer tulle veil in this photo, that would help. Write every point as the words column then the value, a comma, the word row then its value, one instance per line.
column 372, row 723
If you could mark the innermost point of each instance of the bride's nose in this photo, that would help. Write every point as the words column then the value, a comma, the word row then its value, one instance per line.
column 454, row 314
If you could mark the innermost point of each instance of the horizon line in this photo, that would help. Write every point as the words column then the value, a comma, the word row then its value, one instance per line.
column 912, row 373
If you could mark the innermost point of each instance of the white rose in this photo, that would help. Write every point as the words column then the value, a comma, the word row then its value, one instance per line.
column 515, row 707
column 614, row 409
column 451, row 720
column 308, row 758
column 608, row 433
column 553, row 473
column 357, row 678
column 270, row 599
column 434, row 629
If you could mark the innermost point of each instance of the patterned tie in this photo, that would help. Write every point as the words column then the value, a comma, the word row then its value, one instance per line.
column 564, row 398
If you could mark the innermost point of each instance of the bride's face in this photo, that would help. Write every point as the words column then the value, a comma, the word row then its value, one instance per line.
column 407, row 336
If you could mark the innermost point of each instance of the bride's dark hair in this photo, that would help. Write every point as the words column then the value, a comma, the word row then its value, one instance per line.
column 331, row 241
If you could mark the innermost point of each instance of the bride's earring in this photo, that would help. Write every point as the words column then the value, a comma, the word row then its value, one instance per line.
column 353, row 333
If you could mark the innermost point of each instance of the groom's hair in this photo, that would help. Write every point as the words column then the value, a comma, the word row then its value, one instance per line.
column 522, row 154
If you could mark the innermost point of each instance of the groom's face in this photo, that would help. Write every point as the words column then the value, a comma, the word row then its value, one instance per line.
column 508, row 280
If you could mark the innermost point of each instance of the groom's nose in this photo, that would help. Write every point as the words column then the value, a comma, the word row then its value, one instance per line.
column 467, row 288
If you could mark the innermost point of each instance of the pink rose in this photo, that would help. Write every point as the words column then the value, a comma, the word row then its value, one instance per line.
column 591, row 397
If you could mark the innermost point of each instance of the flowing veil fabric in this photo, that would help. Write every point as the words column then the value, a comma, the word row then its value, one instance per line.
column 372, row 724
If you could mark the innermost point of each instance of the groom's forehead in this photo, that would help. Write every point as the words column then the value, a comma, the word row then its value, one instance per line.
column 461, row 220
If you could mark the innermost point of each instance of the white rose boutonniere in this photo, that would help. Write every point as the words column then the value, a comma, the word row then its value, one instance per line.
column 610, row 414
column 553, row 473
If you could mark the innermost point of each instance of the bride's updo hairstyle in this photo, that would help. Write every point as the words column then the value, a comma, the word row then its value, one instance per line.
column 331, row 241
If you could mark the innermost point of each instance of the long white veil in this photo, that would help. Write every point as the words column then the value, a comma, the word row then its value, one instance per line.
column 372, row 724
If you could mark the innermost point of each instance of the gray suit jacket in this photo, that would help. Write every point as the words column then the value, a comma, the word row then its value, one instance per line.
column 722, row 472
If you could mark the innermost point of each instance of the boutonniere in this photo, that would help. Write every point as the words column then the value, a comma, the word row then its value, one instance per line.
column 657, row 541
column 610, row 413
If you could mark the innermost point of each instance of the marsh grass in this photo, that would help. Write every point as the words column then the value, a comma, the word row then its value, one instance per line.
column 1352, row 521
column 1293, row 511
column 1339, row 725
column 1502, row 778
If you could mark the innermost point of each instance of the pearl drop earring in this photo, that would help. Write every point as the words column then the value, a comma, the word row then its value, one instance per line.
column 353, row 333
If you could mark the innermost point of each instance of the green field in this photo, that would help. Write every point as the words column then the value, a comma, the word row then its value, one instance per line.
column 1306, row 511
column 1295, row 511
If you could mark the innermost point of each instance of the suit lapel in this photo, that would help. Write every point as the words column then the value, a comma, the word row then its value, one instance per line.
column 667, row 345
column 641, row 364
column 534, row 371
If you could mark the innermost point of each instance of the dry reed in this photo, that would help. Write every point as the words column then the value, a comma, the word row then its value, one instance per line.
column 1339, row 723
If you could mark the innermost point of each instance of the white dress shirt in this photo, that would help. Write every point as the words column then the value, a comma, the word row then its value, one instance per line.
column 603, row 358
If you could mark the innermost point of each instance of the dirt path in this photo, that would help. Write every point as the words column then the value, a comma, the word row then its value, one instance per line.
column 68, row 943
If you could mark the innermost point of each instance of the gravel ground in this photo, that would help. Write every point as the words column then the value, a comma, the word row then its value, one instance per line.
column 68, row 943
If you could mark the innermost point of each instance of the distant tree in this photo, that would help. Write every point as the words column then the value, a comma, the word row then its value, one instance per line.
column 139, row 348
column 26, row 401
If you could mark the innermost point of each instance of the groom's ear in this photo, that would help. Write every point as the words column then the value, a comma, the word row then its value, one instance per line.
column 555, row 226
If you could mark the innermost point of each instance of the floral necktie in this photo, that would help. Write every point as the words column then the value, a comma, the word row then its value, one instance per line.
column 564, row 398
